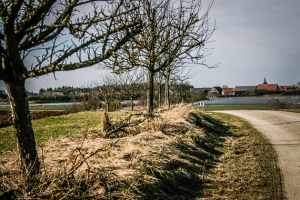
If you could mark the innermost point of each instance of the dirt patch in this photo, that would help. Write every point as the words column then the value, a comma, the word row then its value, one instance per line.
column 6, row 118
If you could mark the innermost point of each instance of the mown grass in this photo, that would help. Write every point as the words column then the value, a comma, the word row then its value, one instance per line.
column 248, row 167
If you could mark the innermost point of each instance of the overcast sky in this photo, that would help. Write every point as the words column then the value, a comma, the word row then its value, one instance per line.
column 254, row 39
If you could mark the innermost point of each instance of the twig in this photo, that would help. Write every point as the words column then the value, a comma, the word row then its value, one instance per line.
column 74, row 168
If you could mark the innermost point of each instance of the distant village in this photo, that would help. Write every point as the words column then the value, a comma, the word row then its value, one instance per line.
column 255, row 90
column 182, row 92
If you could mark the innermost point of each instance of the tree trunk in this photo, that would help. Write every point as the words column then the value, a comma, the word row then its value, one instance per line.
column 26, row 145
column 150, row 93
column 131, row 101
column 167, row 91
column 159, row 95
column 107, row 107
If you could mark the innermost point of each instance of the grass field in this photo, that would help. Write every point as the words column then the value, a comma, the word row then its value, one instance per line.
column 289, row 108
column 53, row 128
column 235, row 107
column 36, row 108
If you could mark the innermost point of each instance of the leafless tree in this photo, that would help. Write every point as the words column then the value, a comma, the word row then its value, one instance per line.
column 173, row 30
column 130, row 84
column 175, row 71
column 109, row 91
column 41, row 37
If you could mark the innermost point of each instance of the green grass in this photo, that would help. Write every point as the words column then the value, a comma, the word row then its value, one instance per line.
column 53, row 128
column 235, row 107
column 289, row 107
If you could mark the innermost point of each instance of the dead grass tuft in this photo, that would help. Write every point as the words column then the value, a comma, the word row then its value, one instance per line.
column 105, row 123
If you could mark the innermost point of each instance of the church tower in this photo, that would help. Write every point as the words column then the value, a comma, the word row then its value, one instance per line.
column 265, row 82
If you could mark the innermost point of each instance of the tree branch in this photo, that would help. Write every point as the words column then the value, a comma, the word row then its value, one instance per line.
column 55, row 66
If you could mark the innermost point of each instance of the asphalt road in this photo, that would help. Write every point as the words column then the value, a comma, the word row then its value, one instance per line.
column 283, row 131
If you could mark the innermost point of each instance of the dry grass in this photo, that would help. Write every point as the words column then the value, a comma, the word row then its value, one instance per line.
column 247, row 168
column 105, row 122
column 169, row 156
column 165, row 160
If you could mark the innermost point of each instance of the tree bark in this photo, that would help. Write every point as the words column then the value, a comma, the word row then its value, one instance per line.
column 167, row 91
column 107, row 107
column 150, row 93
column 26, row 146
column 159, row 94
column 131, row 102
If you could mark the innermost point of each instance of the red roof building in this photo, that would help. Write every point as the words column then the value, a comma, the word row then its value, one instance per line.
column 288, row 87
column 228, row 92
column 57, row 94
column 267, row 87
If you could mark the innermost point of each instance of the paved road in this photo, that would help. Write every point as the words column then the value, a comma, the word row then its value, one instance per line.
column 283, row 131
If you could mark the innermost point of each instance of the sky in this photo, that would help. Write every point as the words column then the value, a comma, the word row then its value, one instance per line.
column 254, row 39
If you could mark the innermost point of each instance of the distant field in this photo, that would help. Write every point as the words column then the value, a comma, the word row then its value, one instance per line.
column 235, row 107
column 289, row 107
column 36, row 108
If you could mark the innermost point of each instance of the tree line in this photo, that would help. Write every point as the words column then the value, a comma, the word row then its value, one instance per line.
column 116, row 93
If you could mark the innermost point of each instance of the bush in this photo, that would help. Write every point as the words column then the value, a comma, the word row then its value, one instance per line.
column 275, row 104
column 33, row 98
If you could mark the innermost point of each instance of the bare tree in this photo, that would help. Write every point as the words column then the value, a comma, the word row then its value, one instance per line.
column 173, row 31
column 109, row 90
column 61, row 36
column 175, row 71
column 130, row 84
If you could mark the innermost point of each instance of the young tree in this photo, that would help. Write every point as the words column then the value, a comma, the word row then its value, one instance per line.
column 61, row 36
column 108, row 91
column 181, row 91
column 175, row 72
column 130, row 84
column 173, row 31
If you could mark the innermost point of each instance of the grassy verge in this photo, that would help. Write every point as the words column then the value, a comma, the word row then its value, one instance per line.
column 235, row 107
column 247, row 169
column 288, row 107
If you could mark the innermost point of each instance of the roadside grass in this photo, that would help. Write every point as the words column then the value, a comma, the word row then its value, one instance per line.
column 248, row 167
column 235, row 107
column 288, row 108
